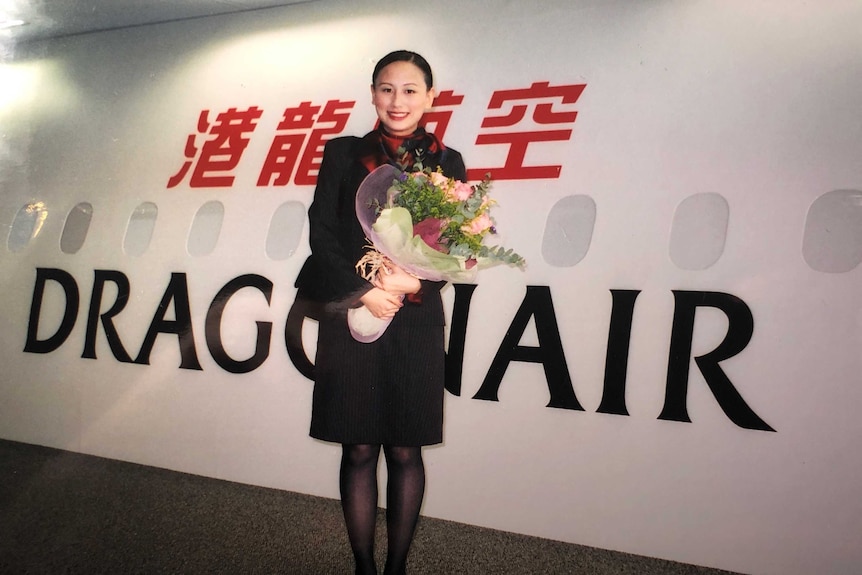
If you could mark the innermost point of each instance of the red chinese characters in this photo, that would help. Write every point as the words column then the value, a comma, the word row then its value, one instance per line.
column 219, row 154
column 543, row 96
column 284, row 153
column 296, row 149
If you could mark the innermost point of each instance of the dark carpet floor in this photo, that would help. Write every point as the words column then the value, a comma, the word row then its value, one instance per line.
column 63, row 512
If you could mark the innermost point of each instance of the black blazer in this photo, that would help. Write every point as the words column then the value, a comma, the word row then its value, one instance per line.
column 336, row 238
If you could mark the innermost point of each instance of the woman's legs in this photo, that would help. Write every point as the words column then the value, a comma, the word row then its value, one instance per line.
column 404, row 493
column 358, row 480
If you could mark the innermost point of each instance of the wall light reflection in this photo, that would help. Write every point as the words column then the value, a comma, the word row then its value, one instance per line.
column 19, row 83
column 27, row 225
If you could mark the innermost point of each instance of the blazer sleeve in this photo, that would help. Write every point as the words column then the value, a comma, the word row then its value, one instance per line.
column 332, row 267
column 453, row 165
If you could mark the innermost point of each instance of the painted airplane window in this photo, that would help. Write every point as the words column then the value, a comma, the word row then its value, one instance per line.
column 206, row 228
column 569, row 231
column 832, row 240
column 285, row 230
column 699, row 231
column 26, row 226
column 139, row 232
column 76, row 227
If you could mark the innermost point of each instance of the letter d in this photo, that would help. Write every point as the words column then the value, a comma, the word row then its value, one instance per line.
column 70, row 288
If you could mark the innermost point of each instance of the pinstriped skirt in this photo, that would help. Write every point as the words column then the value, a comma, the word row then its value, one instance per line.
column 386, row 392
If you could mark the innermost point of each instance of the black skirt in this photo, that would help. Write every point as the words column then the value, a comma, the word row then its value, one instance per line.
column 386, row 392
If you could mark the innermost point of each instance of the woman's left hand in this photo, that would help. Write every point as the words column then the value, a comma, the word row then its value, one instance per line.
column 395, row 280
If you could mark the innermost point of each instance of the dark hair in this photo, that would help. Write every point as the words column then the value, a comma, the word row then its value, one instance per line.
column 404, row 56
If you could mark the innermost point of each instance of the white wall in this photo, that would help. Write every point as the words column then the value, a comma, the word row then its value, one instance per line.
column 754, row 103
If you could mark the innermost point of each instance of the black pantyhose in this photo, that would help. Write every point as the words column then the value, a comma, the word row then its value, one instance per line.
column 358, row 482
column 404, row 493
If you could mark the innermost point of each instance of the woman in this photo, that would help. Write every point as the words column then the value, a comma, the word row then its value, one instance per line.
column 388, row 393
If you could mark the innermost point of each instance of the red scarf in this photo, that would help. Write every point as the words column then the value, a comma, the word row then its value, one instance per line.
column 403, row 152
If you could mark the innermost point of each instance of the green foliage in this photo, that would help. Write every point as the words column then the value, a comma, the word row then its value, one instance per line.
column 423, row 200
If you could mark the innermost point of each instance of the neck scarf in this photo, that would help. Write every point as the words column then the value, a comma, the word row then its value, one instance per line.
column 405, row 153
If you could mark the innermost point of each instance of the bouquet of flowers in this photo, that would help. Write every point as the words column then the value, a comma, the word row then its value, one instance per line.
column 429, row 225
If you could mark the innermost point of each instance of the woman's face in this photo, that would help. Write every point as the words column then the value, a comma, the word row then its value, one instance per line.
column 401, row 97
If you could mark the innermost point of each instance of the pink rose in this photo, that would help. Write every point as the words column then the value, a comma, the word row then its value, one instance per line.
column 461, row 191
column 478, row 225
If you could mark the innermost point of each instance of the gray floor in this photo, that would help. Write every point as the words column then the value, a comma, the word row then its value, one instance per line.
column 63, row 512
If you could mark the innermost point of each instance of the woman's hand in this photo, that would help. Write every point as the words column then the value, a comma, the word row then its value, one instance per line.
column 395, row 280
column 381, row 304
